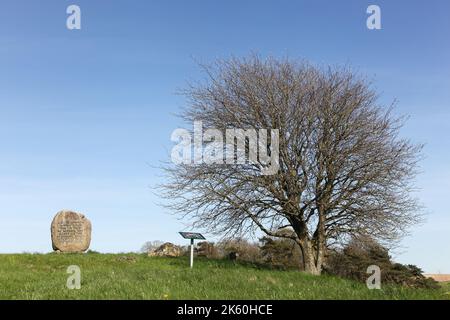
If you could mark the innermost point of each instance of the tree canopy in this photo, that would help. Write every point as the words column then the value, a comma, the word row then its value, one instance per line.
column 342, row 168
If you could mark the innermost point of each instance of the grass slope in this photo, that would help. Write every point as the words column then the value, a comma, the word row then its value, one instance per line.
column 133, row 276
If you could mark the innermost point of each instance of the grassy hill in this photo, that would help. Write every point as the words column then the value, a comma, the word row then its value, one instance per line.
column 133, row 276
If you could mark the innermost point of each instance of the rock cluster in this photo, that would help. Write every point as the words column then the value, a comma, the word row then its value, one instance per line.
column 166, row 250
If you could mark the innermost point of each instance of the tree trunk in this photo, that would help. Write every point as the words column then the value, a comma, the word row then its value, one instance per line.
column 309, row 261
column 312, row 260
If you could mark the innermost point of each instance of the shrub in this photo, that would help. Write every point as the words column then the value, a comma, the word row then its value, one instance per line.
column 352, row 262
column 276, row 252
column 241, row 248
column 206, row 249
column 92, row 252
column 281, row 252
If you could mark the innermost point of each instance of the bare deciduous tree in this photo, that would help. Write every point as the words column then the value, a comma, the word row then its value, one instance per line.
column 150, row 246
column 343, row 169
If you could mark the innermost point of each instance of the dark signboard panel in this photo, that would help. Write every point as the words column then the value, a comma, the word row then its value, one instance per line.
column 192, row 235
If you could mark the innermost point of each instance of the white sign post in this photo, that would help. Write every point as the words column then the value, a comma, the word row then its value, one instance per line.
column 192, row 236
column 192, row 253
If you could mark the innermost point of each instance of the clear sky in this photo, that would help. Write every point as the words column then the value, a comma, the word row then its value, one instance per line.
column 86, row 115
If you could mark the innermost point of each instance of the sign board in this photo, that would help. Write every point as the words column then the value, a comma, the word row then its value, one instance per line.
column 192, row 235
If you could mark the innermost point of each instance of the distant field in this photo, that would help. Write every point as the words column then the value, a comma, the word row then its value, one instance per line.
column 133, row 276
column 439, row 277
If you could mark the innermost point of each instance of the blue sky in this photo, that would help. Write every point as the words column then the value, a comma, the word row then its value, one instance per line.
column 86, row 115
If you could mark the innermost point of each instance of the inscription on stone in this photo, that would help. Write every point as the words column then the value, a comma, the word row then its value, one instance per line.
column 71, row 232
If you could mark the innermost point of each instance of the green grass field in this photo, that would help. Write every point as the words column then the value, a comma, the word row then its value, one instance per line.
column 133, row 276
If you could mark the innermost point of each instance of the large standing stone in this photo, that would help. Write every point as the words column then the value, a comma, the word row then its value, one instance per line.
column 71, row 232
